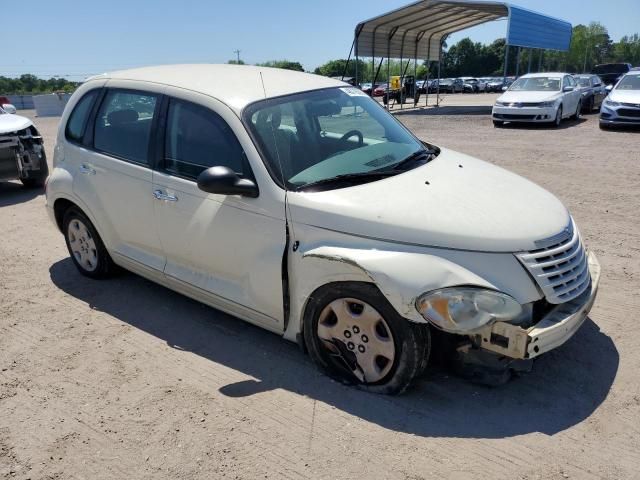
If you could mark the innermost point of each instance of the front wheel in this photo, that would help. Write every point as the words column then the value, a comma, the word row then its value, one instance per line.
column 558, row 119
column 354, row 335
column 576, row 115
column 498, row 123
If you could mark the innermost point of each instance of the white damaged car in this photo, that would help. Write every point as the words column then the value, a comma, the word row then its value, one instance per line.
column 299, row 204
column 22, row 155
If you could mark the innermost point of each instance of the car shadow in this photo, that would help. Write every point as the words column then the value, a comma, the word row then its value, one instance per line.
column 12, row 193
column 567, row 123
column 444, row 110
column 565, row 387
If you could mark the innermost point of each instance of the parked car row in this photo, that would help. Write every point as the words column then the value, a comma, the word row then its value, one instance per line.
column 551, row 97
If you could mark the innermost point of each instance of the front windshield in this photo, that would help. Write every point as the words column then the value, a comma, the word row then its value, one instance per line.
column 629, row 82
column 314, row 136
column 536, row 84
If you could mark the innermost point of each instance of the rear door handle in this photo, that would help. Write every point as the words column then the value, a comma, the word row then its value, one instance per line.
column 87, row 170
column 160, row 195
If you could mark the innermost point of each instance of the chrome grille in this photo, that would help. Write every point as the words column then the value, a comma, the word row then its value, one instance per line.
column 561, row 268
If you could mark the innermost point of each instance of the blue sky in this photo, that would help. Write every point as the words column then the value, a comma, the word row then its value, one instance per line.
column 76, row 38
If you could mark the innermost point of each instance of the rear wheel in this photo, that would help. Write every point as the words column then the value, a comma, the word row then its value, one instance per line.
column 498, row 123
column 354, row 335
column 85, row 245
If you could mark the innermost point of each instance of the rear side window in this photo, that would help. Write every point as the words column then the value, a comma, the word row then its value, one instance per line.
column 78, row 119
column 196, row 139
column 123, row 124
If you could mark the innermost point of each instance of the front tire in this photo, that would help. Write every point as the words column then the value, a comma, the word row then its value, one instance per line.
column 558, row 119
column 576, row 115
column 38, row 181
column 498, row 123
column 85, row 246
column 355, row 336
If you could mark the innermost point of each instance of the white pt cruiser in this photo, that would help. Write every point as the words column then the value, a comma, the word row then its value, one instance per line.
column 297, row 203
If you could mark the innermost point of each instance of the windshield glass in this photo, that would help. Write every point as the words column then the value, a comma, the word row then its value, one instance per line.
column 314, row 136
column 536, row 84
column 629, row 82
column 584, row 81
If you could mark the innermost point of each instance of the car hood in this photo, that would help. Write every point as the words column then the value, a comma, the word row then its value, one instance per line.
column 12, row 123
column 626, row 96
column 455, row 201
column 516, row 97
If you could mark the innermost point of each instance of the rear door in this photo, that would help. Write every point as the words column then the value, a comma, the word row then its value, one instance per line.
column 114, row 177
column 227, row 246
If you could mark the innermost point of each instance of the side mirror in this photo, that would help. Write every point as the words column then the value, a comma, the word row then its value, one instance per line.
column 608, row 88
column 568, row 89
column 504, row 89
column 7, row 107
column 224, row 181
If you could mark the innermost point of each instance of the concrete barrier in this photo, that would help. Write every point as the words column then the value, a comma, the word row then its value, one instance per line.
column 21, row 102
column 50, row 105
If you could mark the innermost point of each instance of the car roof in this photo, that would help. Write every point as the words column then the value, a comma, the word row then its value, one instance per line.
column 544, row 74
column 234, row 85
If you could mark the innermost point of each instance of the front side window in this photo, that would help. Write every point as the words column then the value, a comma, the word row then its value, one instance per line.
column 196, row 139
column 536, row 84
column 123, row 124
column 314, row 137
column 78, row 118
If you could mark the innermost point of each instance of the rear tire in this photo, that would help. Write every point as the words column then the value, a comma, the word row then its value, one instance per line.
column 498, row 123
column 85, row 246
column 351, row 331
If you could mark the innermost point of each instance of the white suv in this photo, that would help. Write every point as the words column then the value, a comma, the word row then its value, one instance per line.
column 297, row 203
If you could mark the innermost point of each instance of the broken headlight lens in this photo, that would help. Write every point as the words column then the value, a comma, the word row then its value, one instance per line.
column 462, row 310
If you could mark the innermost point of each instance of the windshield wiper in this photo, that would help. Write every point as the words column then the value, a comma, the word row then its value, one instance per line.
column 348, row 177
column 413, row 157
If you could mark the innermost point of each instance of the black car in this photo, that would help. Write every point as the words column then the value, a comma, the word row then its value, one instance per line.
column 593, row 91
column 610, row 73
column 451, row 85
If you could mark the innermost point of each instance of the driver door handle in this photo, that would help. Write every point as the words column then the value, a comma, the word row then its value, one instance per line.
column 160, row 195
column 87, row 170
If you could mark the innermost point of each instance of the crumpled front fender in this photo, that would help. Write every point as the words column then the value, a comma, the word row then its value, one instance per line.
column 401, row 276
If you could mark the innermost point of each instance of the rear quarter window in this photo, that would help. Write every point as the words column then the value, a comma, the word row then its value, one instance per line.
column 77, row 123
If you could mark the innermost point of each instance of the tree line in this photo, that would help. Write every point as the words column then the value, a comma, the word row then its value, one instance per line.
column 590, row 45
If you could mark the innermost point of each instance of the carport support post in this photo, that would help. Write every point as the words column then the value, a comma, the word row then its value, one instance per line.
column 530, row 58
column 518, row 62
column 506, row 63
column 540, row 60
column 439, row 62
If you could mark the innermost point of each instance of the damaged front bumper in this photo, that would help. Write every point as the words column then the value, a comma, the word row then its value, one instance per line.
column 21, row 154
column 552, row 331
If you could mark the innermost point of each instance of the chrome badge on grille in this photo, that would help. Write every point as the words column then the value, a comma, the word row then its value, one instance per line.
column 565, row 234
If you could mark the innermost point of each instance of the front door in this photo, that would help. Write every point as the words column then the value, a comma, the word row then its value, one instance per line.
column 228, row 247
column 114, row 177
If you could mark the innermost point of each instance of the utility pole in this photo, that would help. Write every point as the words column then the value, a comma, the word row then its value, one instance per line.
column 237, row 52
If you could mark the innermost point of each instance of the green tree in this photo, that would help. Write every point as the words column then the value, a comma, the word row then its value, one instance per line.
column 285, row 64
column 235, row 62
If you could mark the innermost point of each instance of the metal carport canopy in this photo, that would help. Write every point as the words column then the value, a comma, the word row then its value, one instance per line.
column 416, row 30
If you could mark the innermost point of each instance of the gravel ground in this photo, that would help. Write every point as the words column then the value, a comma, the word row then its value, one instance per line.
column 126, row 379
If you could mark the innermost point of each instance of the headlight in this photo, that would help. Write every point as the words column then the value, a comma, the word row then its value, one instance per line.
column 547, row 104
column 609, row 103
column 465, row 309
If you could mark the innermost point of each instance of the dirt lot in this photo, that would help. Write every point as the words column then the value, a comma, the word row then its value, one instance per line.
column 125, row 379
